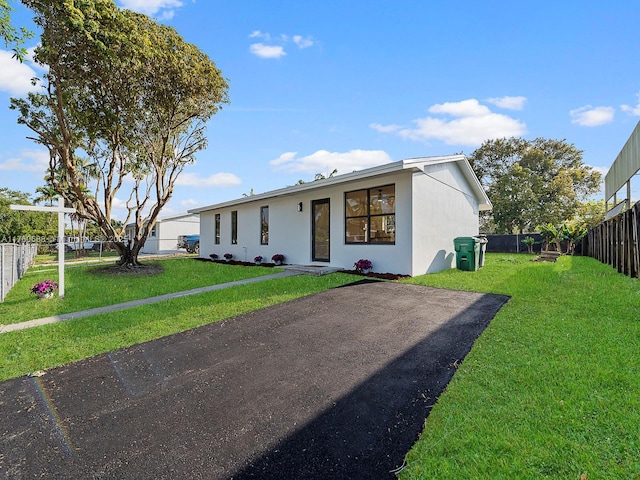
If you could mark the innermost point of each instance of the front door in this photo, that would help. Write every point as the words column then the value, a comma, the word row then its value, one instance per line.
column 320, row 230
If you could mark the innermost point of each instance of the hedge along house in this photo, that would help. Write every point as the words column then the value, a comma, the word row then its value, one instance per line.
column 403, row 216
column 163, row 237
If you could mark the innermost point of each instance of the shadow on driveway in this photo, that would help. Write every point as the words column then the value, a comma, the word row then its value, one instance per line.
column 334, row 385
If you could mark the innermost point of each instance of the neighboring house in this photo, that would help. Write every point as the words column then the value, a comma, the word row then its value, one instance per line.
column 403, row 216
column 163, row 237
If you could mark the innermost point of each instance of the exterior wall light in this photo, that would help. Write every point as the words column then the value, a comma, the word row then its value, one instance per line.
column 300, row 206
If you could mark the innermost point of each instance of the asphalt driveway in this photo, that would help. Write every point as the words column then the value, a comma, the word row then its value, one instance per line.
column 334, row 385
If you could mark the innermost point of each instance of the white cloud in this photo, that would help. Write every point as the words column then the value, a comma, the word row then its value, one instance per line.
column 464, row 108
column 509, row 103
column 473, row 123
column 302, row 42
column 632, row 110
column 324, row 161
column 15, row 77
column 189, row 203
column 589, row 116
column 274, row 46
column 267, row 51
column 385, row 128
column 215, row 180
column 284, row 158
column 36, row 161
column 152, row 7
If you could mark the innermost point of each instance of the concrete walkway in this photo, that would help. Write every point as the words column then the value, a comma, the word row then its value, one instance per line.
column 143, row 301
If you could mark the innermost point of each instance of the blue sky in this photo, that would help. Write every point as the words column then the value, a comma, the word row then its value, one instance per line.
column 317, row 86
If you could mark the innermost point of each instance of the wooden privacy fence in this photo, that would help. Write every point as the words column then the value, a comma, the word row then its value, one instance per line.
column 615, row 242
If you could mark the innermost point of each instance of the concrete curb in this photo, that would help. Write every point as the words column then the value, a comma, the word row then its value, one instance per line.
column 136, row 303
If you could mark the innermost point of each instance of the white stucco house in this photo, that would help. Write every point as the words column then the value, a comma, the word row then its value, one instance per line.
column 403, row 216
column 163, row 237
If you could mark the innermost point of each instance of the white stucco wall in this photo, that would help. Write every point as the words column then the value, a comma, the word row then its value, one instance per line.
column 441, row 213
column 431, row 210
column 290, row 230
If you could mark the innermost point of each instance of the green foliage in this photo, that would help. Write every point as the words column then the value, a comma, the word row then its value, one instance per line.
column 590, row 213
column 568, row 233
column 12, row 36
column 532, row 182
column 550, row 234
column 128, row 98
column 572, row 234
column 529, row 242
column 17, row 226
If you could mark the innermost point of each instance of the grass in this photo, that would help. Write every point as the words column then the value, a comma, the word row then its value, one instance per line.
column 551, row 389
column 74, row 257
column 86, row 288
column 26, row 351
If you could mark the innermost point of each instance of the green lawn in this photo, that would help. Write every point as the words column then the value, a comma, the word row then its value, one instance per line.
column 86, row 288
column 26, row 351
column 74, row 257
column 551, row 389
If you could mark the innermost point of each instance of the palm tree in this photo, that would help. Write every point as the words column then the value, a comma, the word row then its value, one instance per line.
column 46, row 194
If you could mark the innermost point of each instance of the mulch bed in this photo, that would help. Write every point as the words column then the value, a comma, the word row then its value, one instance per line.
column 382, row 276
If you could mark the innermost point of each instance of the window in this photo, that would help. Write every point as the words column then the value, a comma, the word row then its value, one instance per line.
column 217, row 237
column 264, row 225
column 234, row 227
column 370, row 215
column 152, row 233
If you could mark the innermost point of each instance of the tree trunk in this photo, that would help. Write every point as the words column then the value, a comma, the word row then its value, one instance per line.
column 558, row 247
column 128, row 254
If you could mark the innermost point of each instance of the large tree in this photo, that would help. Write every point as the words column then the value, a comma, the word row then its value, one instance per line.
column 124, row 111
column 532, row 182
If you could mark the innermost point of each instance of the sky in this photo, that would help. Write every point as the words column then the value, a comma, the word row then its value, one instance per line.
column 317, row 86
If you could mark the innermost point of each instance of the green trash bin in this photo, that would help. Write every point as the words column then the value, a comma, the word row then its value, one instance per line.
column 467, row 253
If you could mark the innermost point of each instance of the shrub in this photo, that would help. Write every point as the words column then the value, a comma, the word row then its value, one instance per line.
column 44, row 287
column 363, row 264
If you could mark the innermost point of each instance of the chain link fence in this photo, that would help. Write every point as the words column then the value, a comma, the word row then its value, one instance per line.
column 15, row 259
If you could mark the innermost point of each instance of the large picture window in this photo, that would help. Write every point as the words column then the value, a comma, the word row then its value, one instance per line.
column 217, row 236
column 234, row 227
column 264, row 225
column 370, row 215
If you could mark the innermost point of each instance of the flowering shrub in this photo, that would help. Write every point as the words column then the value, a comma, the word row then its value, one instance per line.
column 278, row 257
column 42, row 288
column 228, row 256
column 363, row 264
column 258, row 258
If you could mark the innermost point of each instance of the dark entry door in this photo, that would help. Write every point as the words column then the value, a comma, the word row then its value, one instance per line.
column 320, row 230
